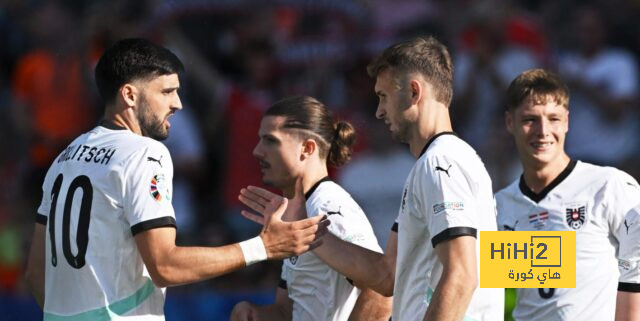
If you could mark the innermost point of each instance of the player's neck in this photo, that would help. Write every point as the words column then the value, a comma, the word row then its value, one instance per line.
column 436, row 120
column 309, row 179
column 125, row 119
column 539, row 176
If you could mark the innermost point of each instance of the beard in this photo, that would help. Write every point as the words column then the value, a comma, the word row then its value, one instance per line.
column 151, row 125
column 402, row 134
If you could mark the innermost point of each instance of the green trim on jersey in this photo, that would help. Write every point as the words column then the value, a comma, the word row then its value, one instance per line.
column 110, row 312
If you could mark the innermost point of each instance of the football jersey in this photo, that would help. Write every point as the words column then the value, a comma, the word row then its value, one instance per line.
column 591, row 200
column 447, row 194
column 319, row 292
column 105, row 187
column 629, row 252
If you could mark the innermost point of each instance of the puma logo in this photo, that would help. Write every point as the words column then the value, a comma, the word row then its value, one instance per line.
column 510, row 228
column 627, row 225
column 336, row 212
column 438, row 168
column 151, row 159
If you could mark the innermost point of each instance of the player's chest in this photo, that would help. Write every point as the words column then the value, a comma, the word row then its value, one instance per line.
column 579, row 214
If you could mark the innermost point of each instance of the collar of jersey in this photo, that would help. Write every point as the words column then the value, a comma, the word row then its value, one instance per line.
column 424, row 149
column 538, row 197
column 315, row 186
column 110, row 125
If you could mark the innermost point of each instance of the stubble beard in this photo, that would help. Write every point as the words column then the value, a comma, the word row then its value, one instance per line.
column 150, row 125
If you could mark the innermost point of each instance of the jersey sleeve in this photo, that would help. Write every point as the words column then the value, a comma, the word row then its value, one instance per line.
column 622, row 194
column 42, row 214
column 348, row 222
column 447, row 198
column 629, row 252
column 148, row 189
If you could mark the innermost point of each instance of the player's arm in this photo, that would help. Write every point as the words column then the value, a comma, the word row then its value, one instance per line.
column 371, row 306
column 34, row 273
column 628, row 306
column 458, row 281
column 628, row 298
column 367, row 268
column 280, row 310
column 171, row 265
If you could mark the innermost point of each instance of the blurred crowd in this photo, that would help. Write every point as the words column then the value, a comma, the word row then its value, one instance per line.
column 242, row 55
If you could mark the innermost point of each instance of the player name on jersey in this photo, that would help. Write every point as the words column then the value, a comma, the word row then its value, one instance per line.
column 88, row 154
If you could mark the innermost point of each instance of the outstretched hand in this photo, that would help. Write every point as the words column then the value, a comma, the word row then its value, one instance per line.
column 258, row 199
column 282, row 238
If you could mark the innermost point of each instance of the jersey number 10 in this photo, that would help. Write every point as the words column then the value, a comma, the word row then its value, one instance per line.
column 82, row 233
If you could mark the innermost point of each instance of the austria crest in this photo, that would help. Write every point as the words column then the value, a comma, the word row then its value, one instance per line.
column 576, row 215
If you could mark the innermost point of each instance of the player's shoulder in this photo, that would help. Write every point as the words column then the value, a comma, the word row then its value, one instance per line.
column 510, row 191
column 326, row 191
column 328, row 196
column 451, row 149
column 603, row 175
column 447, row 144
column 451, row 156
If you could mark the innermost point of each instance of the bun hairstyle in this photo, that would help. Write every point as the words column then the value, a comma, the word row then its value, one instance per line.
column 314, row 121
column 343, row 140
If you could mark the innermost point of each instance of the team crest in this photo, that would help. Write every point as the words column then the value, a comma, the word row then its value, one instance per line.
column 576, row 216
column 293, row 260
column 159, row 189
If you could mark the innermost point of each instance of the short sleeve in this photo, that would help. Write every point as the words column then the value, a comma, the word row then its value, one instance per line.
column 42, row 214
column 629, row 252
column 348, row 222
column 450, row 202
column 623, row 193
column 148, row 189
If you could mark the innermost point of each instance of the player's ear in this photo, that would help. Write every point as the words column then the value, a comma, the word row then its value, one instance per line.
column 309, row 146
column 129, row 94
column 508, row 121
column 417, row 90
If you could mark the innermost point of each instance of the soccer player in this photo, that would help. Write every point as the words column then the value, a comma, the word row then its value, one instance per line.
column 298, row 139
column 556, row 193
column 432, row 258
column 104, row 240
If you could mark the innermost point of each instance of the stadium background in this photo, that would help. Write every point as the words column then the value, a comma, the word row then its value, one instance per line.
column 242, row 55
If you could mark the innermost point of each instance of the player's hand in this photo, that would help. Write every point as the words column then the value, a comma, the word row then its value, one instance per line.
column 258, row 198
column 243, row 311
column 282, row 239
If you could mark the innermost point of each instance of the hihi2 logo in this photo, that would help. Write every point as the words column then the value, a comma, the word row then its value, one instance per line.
column 527, row 259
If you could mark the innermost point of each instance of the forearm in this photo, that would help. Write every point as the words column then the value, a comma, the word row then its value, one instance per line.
column 36, row 287
column 274, row 312
column 371, row 306
column 171, row 265
column 364, row 267
column 451, row 297
column 628, row 306
column 34, row 273
column 182, row 265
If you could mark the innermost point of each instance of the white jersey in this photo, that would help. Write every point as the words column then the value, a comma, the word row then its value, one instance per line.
column 629, row 252
column 105, row 187
column 319, row 292
column 591, row 200
column 447, row 194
